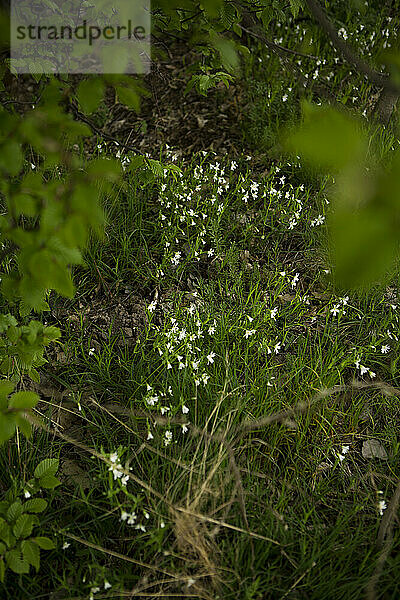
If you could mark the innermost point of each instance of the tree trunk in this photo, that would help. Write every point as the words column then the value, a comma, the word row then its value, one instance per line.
column 386, row 106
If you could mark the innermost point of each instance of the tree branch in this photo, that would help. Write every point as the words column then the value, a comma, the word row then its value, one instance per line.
column 376, row 77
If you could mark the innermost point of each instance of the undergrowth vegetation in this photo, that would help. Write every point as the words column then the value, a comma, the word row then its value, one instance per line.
column 222, row 417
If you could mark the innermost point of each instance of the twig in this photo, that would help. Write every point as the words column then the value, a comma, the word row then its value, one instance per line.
column 102, row 134
column 277, row 47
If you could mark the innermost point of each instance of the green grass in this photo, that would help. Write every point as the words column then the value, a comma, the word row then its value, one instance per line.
column 283, row 515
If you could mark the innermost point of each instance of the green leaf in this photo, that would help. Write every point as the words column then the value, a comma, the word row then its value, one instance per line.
column 23, row 400
column 295, row 6
column 16, row 562
column 14, row 511
column 49, row 482
column 7, row 427
column 24, row 425
column 44, row 542
column 156, row 167
column 364, row 227
column 2, row 570
column 227, row 51
column 23, row 204
column 48, row 466
column 6, row 388
column 327, row 138
column 23, row 526
column 31, row 553
column 5, row 532
column 128, row 97
column 35, row 505
column 11, row 157
column 90, row 94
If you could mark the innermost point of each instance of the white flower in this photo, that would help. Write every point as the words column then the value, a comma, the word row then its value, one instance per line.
column 317, row 221
column 107, row 584
column 345, row 449
column 277, row 347
column 185, row 410
column 363, row 370
column 150, row 436
column 210, row 357
column 162, row 524
column 372, row 374
column 91, row 351
column 248, row 333
column 114, row 457
column 205, row 378
column 167, row 437
column 184, row 429
column 125, row 480
column 335, row 310
column 65, row 545
column 381, row 506
column 152, row 306
column 124, row 516
column 190, row 581
column 295, row 280
column 132, row 518
column 385, row 349
column 27, row 494
column 274, row 312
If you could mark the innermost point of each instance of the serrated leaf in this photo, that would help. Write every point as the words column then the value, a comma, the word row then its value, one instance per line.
column 49, row 482
column 31, row 553
column 35, row 505
column 156, row 167
column 16, row 562
column 47, row 466
column 44, row 542
column 5, row 532
column 14, row 511
column 23, row 400
column 23, row 526
column 6, row 388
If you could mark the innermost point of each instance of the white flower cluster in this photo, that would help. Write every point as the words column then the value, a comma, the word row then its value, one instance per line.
column 117, row 469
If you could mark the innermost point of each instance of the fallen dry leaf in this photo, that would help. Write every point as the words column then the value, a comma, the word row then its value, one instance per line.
column 373, row 449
